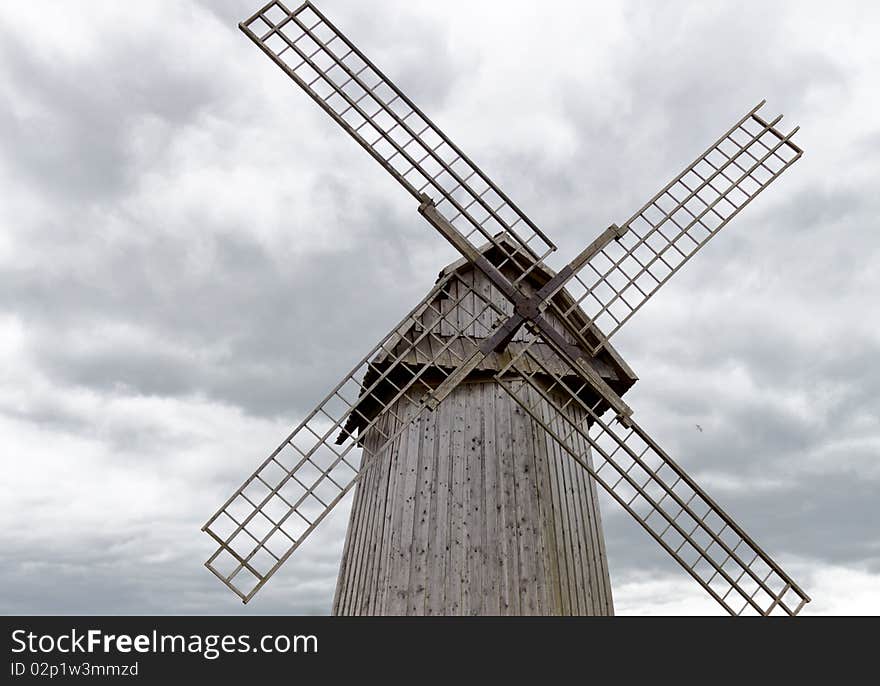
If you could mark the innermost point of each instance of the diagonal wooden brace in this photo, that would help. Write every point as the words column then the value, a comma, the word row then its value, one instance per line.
column 526, row 310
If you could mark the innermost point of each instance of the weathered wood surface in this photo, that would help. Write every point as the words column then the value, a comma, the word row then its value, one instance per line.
column 473, row 510
column 457, row 319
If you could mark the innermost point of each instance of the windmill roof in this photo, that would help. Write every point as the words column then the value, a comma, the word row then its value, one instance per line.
column 538, row 275
column 446, row 352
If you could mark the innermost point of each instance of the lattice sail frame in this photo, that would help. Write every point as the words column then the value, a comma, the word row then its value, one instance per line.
column 294, row 489
column 285, row 499
column 615, row 283
column 658, row 493
column 262, row 524
column 389, row 126
column 679, row 220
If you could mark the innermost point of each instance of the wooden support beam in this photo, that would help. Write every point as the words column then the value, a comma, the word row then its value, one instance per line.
column 526, row 310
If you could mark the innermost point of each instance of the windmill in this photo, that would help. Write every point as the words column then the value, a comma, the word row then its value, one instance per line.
column 487, row 417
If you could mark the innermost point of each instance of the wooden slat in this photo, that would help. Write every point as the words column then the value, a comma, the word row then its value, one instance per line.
column 423, row 500
column 494, row 561
column 473, row 511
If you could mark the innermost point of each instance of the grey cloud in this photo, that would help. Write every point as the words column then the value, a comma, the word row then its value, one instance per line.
column 828, row 519
column 134, row 297
column 75, row 139
column 150, row 568
column 247, row 331
column 405, row 41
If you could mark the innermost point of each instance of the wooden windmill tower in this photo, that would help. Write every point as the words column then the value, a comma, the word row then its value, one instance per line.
column 473, row 509
column 487, row 417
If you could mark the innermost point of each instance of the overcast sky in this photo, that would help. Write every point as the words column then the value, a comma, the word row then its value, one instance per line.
column 191, row 254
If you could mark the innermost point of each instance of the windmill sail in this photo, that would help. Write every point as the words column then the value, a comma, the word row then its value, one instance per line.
column 431, row 351
column 649, row 485
column 376, row 113
column 294, row 489
column 679, row 220
column 659, row 239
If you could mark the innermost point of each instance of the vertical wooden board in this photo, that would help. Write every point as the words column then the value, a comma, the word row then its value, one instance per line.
column 392, row 525
column 429, row 345
column 361, row 586
column 467, row 392
column 360, row 534
column 500, row 301
column 600, row 591
column 374, row 578
column 593, row 561
column 488, row 316
column 587, row 505
column 600, row 596
column 467, row 309
column 422, row 514
column 568, row 548
column 438, row 557
column 492, row 555
column 557, row 324
column 403, row 543
column 582, row 573
column 603, row 579
column 475, row 527
column 360, row 582
column 410, row 347
column 457, row 351
column 420, row 349
column 507, row 497
column 347, row 552
column 376, row 550
column 522, row 334
column 473, row 510
column 460, row 319
column 547, row 582
column 457, row 552
column 525, row 511
column 429, row 317
column 557, row 580
column 447, row 316
column 571, row 550
column 393, row 512
column 456, row 318
column 352, row 558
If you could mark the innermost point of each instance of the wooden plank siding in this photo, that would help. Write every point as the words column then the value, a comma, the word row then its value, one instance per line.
column 456, row 321
column 473, row 511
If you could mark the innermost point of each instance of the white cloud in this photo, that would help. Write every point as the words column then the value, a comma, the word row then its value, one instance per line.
column 833, row 589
